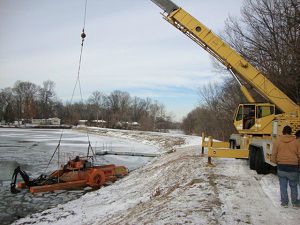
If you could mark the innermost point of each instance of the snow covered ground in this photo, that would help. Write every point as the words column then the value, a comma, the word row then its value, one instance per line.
column 164, row 142
column 177, row 188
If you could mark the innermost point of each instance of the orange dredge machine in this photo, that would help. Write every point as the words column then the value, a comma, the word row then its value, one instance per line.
column 77, row 173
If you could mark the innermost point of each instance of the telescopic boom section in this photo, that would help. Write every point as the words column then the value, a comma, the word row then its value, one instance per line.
column 213, row 44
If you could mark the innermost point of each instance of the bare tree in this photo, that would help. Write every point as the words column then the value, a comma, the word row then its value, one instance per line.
column 214, row 114
column 97, row 100
column 138, row 108
column 7, row 105
column 118, row 102
column 25, row 93
column 153, row 112
column 46, row 98
column 268, row 35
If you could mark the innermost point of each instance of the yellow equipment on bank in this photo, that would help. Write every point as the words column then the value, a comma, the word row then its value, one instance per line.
column 258, row 124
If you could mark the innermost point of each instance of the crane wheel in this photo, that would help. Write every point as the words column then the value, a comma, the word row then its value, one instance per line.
column 96, row 179
column 260, row 165
column 252, row 157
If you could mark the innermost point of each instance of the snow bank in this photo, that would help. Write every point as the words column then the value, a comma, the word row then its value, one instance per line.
column 163, row 141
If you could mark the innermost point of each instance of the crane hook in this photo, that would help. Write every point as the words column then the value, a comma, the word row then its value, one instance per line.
column 83, row 35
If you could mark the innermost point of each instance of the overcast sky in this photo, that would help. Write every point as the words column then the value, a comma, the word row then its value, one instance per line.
column 129, row 47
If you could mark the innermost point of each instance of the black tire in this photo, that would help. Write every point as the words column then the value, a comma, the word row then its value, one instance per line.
column 260, row 165
column 252, row 158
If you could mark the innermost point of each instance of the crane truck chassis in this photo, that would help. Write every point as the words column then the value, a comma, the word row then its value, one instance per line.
column 258, row 124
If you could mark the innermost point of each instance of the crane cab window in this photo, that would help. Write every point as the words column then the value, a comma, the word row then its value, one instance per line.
column 263, row 111
column 248, row 116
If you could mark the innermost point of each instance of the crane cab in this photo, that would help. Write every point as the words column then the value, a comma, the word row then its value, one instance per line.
column 254, row 118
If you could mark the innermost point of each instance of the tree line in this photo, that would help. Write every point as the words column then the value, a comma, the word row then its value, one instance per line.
column 26, row 100
column 268, row 36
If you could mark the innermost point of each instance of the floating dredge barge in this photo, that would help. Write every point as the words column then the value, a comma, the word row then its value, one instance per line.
column 77, row 173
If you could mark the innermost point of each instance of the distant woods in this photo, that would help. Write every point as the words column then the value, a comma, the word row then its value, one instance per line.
column 268, row 36
column 26, row 100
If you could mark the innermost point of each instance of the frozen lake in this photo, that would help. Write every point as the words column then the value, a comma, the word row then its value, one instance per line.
column 32, row 150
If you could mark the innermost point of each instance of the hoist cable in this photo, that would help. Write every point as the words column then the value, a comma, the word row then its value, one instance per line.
column 83, row 35
column 84, row 18
column 78, row 77
column 57, row 147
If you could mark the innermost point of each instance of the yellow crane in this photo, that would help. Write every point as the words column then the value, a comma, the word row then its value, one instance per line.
column 258, row 124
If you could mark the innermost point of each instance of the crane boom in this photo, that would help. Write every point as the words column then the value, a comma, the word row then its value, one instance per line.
column 213, row 44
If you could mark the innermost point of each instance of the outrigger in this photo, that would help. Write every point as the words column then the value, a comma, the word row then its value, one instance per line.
column 77, row 173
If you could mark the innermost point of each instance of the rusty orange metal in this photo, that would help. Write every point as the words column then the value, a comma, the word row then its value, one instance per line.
column 79, row 173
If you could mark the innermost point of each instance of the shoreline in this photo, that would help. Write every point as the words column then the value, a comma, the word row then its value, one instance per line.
column 38, row 127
